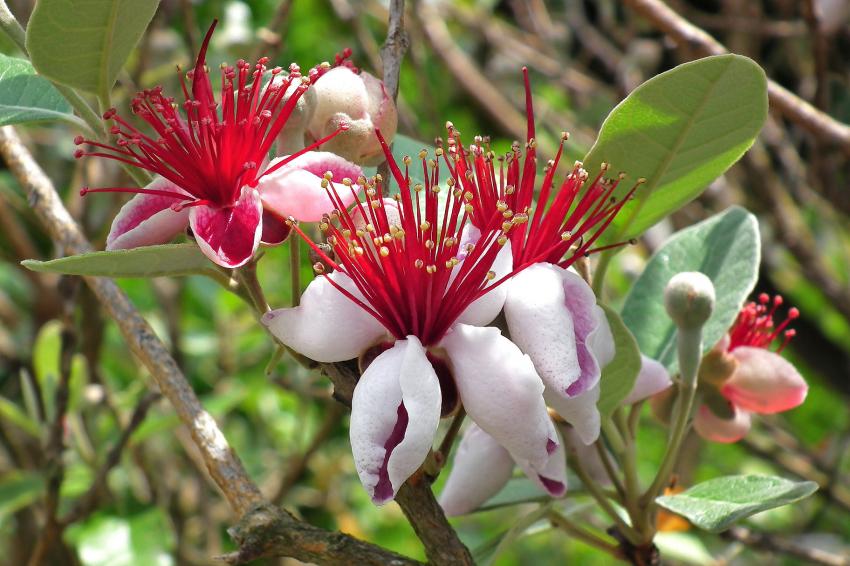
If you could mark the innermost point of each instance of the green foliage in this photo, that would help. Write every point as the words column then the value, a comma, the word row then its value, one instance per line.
column 726, row 248
column 26, row 97
column 679, row 131
column 718, row 503
column 618, row 377
column 85, row 44
column 148, row 261
column 107, row 540
column 18, row 490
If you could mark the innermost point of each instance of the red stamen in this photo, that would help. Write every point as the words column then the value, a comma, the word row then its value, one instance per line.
column 214, row 147
column 755, row 325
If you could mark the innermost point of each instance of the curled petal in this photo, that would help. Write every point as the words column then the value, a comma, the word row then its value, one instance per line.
column 229, row 236
column 551, row 314
column 327, row 326
column 147, row 220
column 481, row 468
column 580, row 411
column 651, row 380
column 764, row 382
column 485, row 309
column 501, row 392
column 395, row 411
column 551, row 477
column 711, row 427
column 296, row 188
column 589, row 457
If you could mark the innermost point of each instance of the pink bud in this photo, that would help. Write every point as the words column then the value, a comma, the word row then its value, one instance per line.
column 711, row 427
column 764, row 382
column 361, row 102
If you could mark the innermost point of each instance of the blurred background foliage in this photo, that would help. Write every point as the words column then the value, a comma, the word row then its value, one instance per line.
column 158, row 507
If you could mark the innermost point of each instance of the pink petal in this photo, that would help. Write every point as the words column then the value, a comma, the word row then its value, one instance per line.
column 229, row 236
column 326, row 326
column 501, row 392
column 296, row 188
column 275, row 230
column 395, row 411
column 147, row 220
column 764, row 382
column 652, row 379
column 481, row 468
column 711, row 427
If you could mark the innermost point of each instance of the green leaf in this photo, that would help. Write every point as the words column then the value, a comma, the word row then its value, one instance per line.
column 19, row 490
column 618, row 377
column 490, row 550
column 85, row 44
column 716, row 504
column 726, row 248
column 404, row 146
column 45, row 360
column 12, row 413
column 27, row 97
column 148, row 261
column 679, row 130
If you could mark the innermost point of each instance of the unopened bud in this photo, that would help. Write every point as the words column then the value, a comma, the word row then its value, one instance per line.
column 689, row 299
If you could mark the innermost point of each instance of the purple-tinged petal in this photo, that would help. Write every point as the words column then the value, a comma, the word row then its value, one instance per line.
column 579, row 411
column 481, row 468
column 296, row 188
column 485, row 309
column 651, row 380
column 229, row 236
column 326, row 326
column 764, row 382
column 711, row 427
column 395, row 411
column 551, row 477
column 552, row 315
column 147, row 220
column 500, row 391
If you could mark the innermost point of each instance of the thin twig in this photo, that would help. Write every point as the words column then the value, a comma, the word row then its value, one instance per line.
column 790, row 105
column 777, row 545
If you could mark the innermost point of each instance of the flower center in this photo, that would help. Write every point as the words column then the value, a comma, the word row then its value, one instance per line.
column 755, row 325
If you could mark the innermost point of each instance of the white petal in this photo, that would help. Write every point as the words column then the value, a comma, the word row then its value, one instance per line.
column 481, row 468
column 485, row 309
column 551, row 477
column 652, row 379
column 395, row 411
column 588, row 456
column 601, row 339
column 581, row 412
column 147, row 220
column 500, row 391
column 327, row 326
column 541, row 325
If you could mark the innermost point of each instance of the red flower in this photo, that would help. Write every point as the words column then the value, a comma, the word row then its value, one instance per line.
column 210, row 163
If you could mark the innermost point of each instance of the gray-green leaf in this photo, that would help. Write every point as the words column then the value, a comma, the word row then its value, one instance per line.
column 726, row 248
column 716, row 504
column 679, row 130
column 618, row 377
column 85, row 43
column 27, row 97
column 148, row 261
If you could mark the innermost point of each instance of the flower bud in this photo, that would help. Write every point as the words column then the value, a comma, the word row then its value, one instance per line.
column 361, row 102
column 291, row 137
column 764, row 382
column 689, row 299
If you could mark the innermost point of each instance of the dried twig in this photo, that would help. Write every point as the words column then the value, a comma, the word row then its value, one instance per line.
column 790, row 105
column 777, row 545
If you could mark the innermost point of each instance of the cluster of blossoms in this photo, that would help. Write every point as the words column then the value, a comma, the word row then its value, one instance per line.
column 409, row 283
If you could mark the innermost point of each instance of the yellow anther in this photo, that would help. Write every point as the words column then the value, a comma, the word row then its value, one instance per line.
column 438, row 152
column 566, row 235
column 469, row 209
column 520, row 218
column 423, row 154
column 328, row 175
column 318, row 268
column 429, row 244
column 370, row 227
column 418, row 264
column 346, row 181
column 468, row 196
column 425, row 226
column 491, row 275
column 324, row 183
column 384, row 251
column 431, row 269
column 502, row 240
